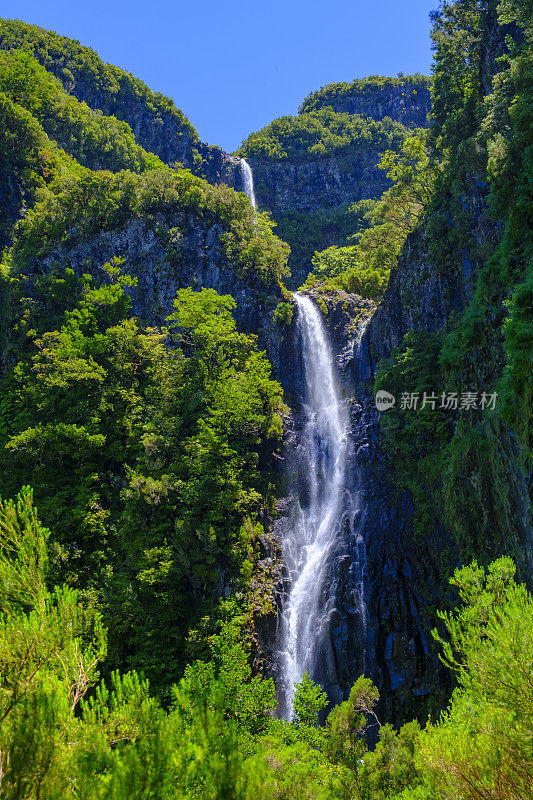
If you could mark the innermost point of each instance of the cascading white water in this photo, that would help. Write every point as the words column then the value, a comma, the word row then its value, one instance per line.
column 248, row 181
column 319, row 508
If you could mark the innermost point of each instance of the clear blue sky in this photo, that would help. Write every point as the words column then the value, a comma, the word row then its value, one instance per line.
column 234, row 66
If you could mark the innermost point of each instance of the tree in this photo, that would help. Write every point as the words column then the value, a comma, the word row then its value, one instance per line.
column 364, row 268
column 145, row 457
column 391, row 767
column 481, row 746
column 50, row 648
column 309, row 700
column 348, row 722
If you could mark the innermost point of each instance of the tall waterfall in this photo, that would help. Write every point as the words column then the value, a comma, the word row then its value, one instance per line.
column 319, row 507
column 248, row 181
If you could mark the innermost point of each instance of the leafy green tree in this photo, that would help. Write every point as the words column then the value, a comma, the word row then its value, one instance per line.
column 145, row 458
column 481, row 746
column 94, row 140
column 457, row 90
column 364, row 268
column 50, row 647
column 320, row 133
column 391, row 768
column 309, row 700
column 348, row 722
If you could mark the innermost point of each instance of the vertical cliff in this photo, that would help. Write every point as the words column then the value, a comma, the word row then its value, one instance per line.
column 445, row 482
column 311, row 170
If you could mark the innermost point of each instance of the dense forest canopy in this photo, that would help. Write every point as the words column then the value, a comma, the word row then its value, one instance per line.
column 139, row 457
column 318, row 134
column 71, row 63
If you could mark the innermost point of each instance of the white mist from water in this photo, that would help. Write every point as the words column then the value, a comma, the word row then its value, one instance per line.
column 248, row 181
column 308, row 541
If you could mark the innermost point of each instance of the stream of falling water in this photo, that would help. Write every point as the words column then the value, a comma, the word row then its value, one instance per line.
column 319, row 506
column 248, row 181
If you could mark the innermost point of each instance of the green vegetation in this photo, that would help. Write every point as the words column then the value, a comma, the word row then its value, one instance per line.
column 307, row 233
column 133, row 574
column 320, row 134
column 161, row 446
column 101, row 201
column 331, row 94
column 149, row 450
column 283, row 313
column 94, row 140
column 364, row 268
column 457, row 468
column 67, row 733
column 118, row 91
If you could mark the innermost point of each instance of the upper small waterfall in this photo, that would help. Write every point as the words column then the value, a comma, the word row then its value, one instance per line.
column 248, row 181
column 319, row 506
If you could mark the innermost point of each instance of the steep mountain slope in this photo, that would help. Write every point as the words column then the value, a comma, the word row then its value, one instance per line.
column 445, row 481
column 138, row 403
column 313, row 170
column 80, row 193
column 157, row 124
column 406, row 99
column 101, row 243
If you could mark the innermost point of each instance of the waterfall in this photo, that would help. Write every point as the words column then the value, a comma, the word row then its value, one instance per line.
column 248, row 181
column 320, row 505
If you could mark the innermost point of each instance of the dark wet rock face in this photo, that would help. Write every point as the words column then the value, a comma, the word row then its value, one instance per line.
column 384, row 630
column 318, row 183
column 403, row 582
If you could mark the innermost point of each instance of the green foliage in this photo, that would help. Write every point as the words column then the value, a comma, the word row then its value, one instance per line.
column 309, row 700
column 161, row 447
column 50, row 646
column 29, row 162
column 391, row 768
column 320, row 134
column 102, row 201
column 94, row 140
column 465, row 479
column 414, row 438
column 412, row 369
column 345, row 264
column 283, row 313
column 65, row 736
column 314, row 231
column 482, row 745
column 331, row 94
column 348, row 722
column 23, row 554
column 456, row 33
column 150, row 450
column 364, row 268
column 73, row 63
column 118, row 743
column 517, row 381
